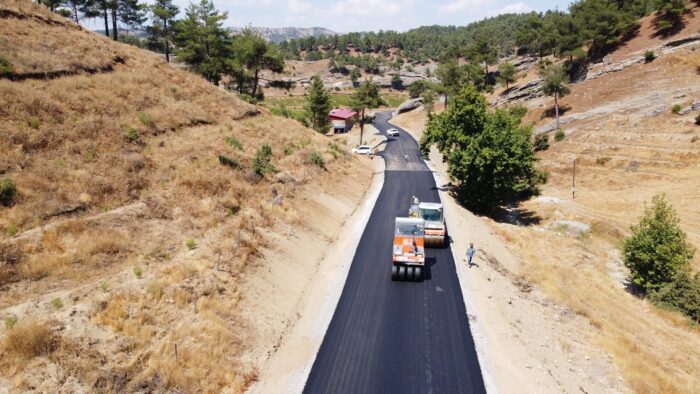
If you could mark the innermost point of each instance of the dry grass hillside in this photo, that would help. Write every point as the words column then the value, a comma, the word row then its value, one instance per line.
column 142, row 247
column 628, row 146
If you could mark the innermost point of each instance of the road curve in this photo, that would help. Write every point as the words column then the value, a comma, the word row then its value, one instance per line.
column 398, row 337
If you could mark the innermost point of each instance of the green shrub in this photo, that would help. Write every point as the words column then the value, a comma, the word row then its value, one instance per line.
column 228, row 161
column 317, row 159
column 288, row 150
column 682, row 294
column 131, row 134
column 262, row 163
column 601, row 161
column 138, row 272
column 697, row 120
column 34, row 122
column 5, row 67
column 90, row 155
column 10, row 322
column 145, row 119
column 541, row 142
column 11, row 230
column 8, row 191
column 191, row 244
column 649, row 56
column 56, row 303
column 104, row 286
column 657, row 250
column 676, row 108
column 233, row 142
column 559, row 135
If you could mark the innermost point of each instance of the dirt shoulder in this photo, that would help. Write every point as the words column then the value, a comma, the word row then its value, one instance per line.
column 531, row 343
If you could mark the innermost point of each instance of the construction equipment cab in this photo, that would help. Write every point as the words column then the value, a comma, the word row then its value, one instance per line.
column 435, row 228
column 408, row 253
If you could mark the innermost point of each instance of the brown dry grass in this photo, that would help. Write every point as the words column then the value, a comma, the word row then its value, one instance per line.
column 28, row 339
column 93, row 205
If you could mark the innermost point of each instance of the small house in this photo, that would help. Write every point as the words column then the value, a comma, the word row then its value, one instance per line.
column 342, row 119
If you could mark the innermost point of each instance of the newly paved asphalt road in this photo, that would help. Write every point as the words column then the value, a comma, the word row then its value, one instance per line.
column 398, row 337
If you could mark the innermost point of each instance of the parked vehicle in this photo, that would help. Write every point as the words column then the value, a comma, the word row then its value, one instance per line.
column 363, row 150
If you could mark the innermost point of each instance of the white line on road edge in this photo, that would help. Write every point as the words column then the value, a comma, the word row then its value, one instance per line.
column 474, row 325
column 288, row 370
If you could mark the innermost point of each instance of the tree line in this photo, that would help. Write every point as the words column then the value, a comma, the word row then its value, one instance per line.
column 598, row 25
column 198, row 39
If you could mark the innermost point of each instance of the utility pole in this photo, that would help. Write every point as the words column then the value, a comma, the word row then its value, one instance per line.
column 573, row 182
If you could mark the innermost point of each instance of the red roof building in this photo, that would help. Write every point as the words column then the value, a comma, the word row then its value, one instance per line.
column 342, row 119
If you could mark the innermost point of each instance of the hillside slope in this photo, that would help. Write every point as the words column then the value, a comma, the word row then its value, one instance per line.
column 150, row 233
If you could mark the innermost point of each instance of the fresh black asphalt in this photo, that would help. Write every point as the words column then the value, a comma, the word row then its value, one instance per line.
column 398, row 337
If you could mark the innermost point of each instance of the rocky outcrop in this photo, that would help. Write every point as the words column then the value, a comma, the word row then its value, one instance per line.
column 614, row 67
column 694, row 106
column 528, row 91
column 409, row 105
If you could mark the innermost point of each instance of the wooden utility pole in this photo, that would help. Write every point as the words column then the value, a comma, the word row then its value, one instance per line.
column 573, row 182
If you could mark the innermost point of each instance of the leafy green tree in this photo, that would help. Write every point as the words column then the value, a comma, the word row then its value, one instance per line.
column 366, row 96
column 98, row 8
column 451, row 77
column 682, row 294
column 318, row 104
column 489, row 154
column 554, row 83
column 484, row 50
column 354, row 75
column 417, row 88
column 74, row 8
column 429, row 99
column 397, row 82
column 658, row 249
column 162, row 32
column 602, row 24
column 202, row 42
column 255, row 54
column 507, row 73
column 670, row 15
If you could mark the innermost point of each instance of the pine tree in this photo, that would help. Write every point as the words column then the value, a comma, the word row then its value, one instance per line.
column 658, row 248
column 366, row 96
column 507, row 73
column 202, row 42
column 252, row 52
column 318, row 104
column 554, row 81
column 671, row 15
column 162, row 32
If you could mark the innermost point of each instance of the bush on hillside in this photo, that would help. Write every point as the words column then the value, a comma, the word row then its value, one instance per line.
column 559, row 135
column 541, row 142
column 489, row 154
column 649, row 56
column 697, row 120
column 8, row 191
column 676, row 108
column 317, row 159
column 657, row 250
column 682, row 294
column 262, row 163
column 5, row 67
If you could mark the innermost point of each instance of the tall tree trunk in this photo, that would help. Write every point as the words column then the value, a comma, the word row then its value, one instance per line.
column 104, row 13
column 115, row 35
column 255, row 83
column 556, row 109
column 362, row 125
column 167, row 41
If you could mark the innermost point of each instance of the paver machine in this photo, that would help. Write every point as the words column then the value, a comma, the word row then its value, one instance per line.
column 435, row 227
column 408, row 254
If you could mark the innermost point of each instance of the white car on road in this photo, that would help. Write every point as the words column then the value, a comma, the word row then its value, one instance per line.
column 392, row 133
column 363, row 150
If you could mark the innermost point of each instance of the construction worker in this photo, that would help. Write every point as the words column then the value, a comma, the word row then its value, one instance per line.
column 470, row 254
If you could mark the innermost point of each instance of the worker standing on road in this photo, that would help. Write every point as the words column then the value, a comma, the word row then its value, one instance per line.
column 470, row 254
column 405, row 156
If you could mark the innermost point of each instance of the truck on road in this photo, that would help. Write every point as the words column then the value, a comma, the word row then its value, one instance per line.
column 408, row 254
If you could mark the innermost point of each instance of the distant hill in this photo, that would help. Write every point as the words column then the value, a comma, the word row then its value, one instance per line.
column 281, row 34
